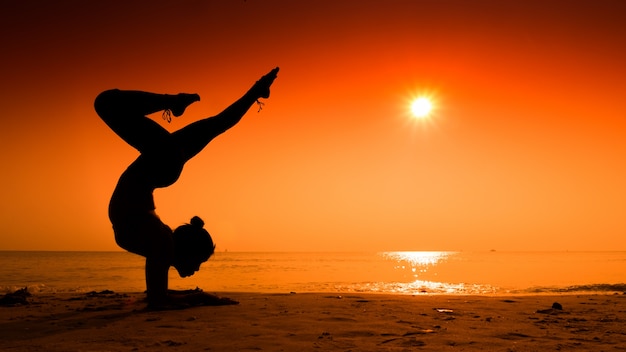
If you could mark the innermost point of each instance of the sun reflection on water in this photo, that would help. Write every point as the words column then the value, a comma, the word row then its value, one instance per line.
column 419, row 274
column 420, row 287
column 416, row 262
column 418, row 257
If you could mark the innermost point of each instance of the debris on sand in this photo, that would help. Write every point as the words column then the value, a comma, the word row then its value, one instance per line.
column 16, row 298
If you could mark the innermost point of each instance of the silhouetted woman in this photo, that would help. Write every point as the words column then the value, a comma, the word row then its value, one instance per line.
column 137, row 227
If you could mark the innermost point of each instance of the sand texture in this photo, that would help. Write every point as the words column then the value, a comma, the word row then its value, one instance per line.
column 110, row 321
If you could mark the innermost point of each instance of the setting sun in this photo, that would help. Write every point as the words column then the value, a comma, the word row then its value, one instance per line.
column 421, row 107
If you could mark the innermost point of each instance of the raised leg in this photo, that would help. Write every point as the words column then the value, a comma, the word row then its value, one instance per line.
column 194, row 137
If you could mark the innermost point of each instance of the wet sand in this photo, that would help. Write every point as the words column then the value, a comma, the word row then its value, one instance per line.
column 111, row 321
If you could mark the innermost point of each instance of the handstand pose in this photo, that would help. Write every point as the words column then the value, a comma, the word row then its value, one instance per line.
column 137, row 227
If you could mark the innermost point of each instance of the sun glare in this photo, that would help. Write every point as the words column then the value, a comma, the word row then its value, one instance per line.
column 421, row 107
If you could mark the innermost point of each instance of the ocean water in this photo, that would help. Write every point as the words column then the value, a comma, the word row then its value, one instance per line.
column 490, row 273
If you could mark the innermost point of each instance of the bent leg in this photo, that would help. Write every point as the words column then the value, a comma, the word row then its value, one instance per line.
column 125, row 113
column 192, row 138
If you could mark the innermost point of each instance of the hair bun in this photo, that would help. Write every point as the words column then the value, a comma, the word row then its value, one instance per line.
column 197, row 222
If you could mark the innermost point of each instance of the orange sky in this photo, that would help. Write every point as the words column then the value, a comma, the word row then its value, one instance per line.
column 526, row 150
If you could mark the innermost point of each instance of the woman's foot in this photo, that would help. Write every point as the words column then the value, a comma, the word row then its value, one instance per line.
column 261, row 89
column 181, row 102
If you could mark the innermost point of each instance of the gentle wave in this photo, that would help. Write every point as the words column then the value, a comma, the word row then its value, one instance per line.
column 592, row 288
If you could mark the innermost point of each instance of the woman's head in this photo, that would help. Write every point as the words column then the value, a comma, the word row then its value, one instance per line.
column 193, row 246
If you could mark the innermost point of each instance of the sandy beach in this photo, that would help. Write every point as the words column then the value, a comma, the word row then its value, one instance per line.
column 110, row 321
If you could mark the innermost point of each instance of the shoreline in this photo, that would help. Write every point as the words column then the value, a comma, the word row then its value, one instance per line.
column 112, row 321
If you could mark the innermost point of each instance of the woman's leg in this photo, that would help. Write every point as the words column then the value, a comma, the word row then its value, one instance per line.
column 125, row 113
column 191, row 139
